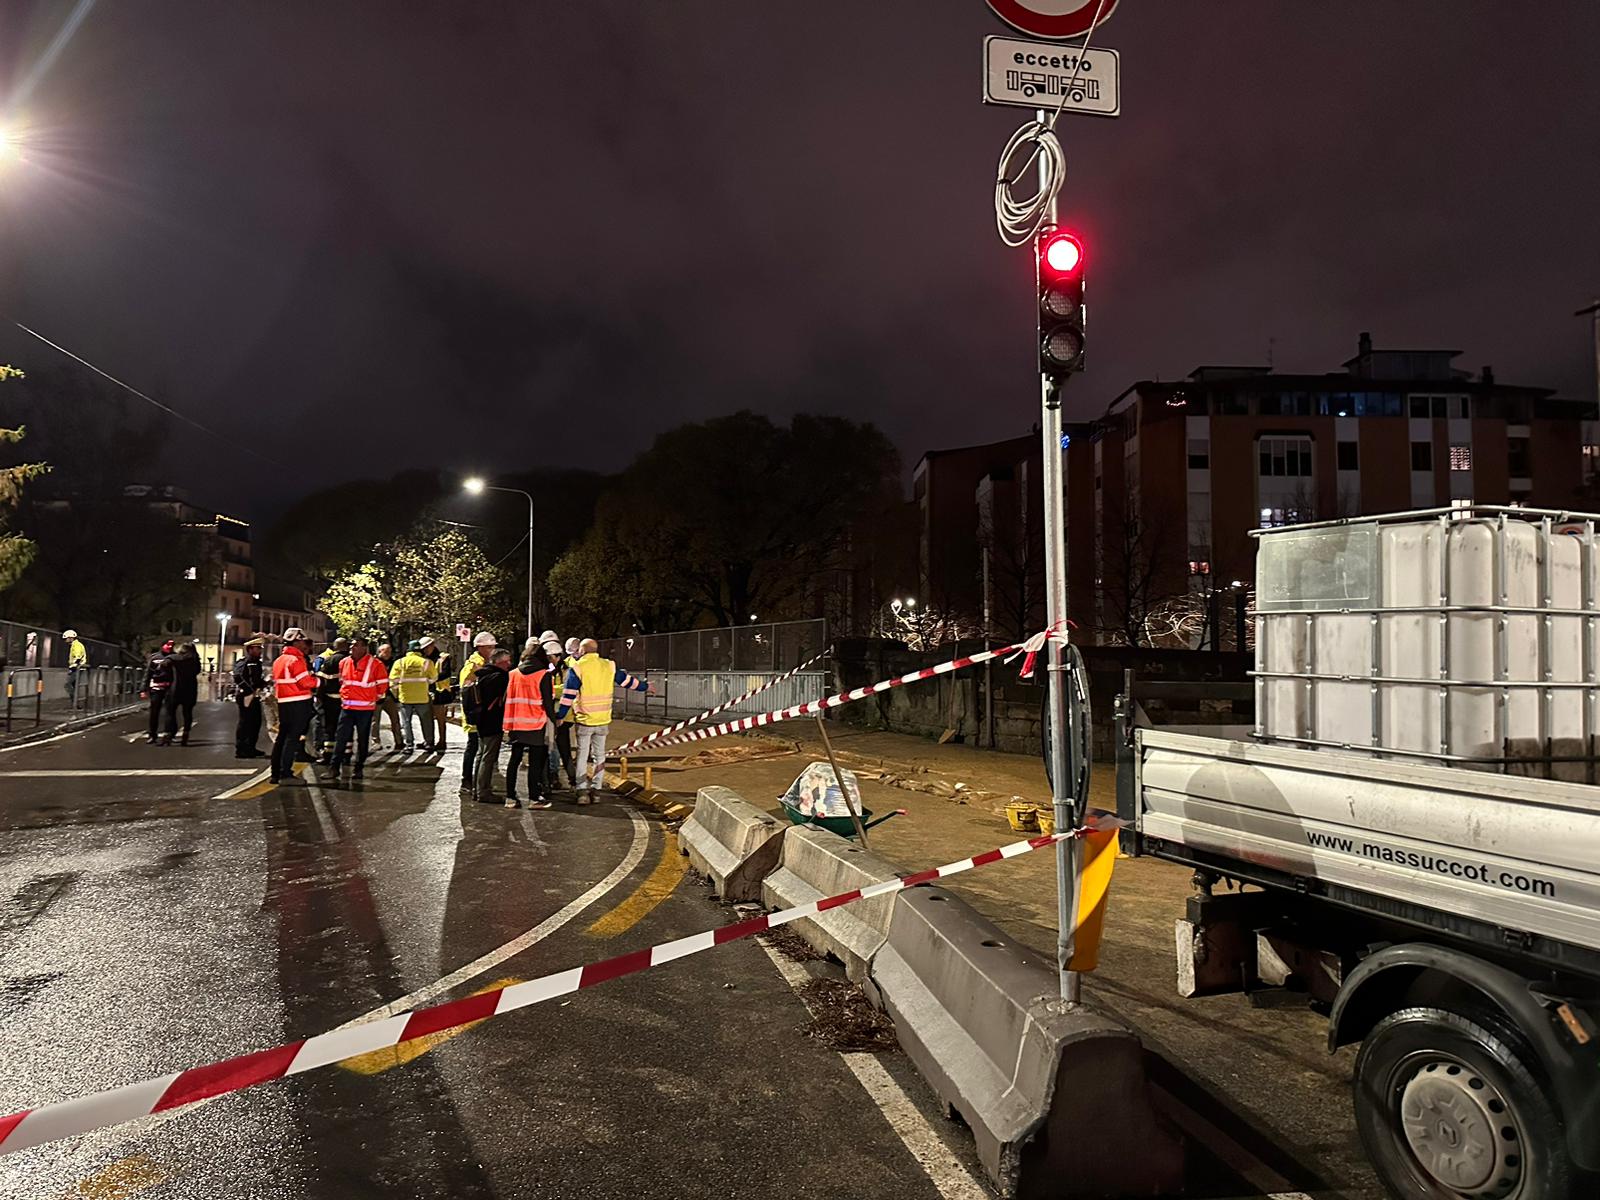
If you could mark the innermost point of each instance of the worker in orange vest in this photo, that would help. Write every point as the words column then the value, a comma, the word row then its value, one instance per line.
column 363, row 682
column 293, row 684
column 528, row 727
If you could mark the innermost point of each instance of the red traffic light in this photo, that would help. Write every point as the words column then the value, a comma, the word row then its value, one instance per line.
column 1062, row 253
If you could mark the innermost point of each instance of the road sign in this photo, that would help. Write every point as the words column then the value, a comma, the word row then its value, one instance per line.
column 1052, row 18
column 463, row 633
column 1040, row 74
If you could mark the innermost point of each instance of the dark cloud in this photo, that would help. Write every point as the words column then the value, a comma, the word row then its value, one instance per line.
column 552, row 229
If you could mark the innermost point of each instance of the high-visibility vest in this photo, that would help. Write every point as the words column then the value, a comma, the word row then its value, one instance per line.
column 469, row 671
column 524, row 705
column 597, row 682
column 410, row 677
column 292, row 679
column 78, row 656
column 558, row 688
column 360, row 684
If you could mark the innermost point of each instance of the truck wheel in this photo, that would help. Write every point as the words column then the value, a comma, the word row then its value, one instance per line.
column 1450, row 1110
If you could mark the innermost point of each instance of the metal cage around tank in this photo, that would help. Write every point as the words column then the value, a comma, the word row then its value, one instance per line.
column 1476, row 630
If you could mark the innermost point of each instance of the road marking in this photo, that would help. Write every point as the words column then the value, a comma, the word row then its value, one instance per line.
column 118, row 1134
column 944, row 1169
column 124, row 1178
column 375, row 1062
column 70, row 774
column 43, row 741
column 426, row 995
column 657, row 887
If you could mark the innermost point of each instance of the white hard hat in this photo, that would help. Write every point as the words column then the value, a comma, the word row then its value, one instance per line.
column 484, row 639
column 572, row 646
column 72, row 633
column 295, row 634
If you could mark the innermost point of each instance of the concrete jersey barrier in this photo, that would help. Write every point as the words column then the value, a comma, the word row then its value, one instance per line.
column 1056, row 1096
column 815, row 864
column 732, row 842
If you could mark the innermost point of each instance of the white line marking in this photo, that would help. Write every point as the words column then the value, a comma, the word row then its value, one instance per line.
column 93, row 774
column 102, row 1140
column 260, row 776
column 944, row 1169
column 426, row 995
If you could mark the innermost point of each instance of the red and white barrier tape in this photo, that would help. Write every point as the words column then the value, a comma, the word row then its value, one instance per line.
column 68, row 1118
column 651, row 738
column 816, row 706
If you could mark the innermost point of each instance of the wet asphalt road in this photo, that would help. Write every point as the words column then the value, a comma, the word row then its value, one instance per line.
column 147, row 925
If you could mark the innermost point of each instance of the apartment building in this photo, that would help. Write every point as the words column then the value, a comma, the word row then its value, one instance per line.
column 1175, row 474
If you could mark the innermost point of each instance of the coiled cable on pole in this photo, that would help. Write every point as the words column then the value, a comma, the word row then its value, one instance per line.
column 1020, row 217
column 1020, row 220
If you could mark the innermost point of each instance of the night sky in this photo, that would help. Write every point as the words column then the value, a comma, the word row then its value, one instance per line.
column 502, row 234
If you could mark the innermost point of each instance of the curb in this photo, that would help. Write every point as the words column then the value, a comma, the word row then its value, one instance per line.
column 73, row 726
column 670, row 807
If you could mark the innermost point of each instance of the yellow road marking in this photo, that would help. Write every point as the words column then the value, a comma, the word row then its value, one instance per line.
column 375, row 1062
column 656, row 888
column 124, row 1178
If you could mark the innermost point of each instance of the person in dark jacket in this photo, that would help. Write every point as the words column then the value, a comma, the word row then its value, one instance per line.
column 249, row 684
column 487, row 705
column 185, row 692
column 534, row 743
column 157, row 685
column 326, row 665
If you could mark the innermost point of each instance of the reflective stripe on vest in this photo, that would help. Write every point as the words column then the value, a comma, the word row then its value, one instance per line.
column 360, row 695
column 597, row 681
column 291, row 679
column 524, row 706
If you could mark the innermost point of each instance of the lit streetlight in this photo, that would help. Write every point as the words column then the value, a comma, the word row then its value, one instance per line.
column 476, row 486
column 222, row 636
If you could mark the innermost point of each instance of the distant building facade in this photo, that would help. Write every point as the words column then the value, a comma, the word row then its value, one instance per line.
column 224, row 562
column 284, row 606
column 1163, row 490
column 978, row 510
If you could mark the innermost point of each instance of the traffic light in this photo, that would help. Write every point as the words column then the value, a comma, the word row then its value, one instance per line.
column 1061, row 316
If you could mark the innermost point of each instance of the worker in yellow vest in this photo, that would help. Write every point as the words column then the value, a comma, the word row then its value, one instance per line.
column 482, row 653
column 410, row 678
column 591, row 681
column 560, row 755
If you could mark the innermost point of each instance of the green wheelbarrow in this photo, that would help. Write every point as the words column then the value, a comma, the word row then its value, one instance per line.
column 843, row 826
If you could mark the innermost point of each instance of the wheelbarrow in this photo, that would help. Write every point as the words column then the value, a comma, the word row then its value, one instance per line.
column 843, row 826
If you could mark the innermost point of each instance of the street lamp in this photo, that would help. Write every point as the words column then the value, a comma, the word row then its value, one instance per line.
column 222, row 619
column 476, row 486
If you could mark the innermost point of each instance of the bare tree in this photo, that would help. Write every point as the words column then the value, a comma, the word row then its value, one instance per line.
column 1141, row 564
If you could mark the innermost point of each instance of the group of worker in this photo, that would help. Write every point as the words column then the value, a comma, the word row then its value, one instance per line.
column 328, row 709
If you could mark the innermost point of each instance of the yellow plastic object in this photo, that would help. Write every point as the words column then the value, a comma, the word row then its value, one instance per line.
column 1023, row 818
column 1097, row 855
column 1045, row 818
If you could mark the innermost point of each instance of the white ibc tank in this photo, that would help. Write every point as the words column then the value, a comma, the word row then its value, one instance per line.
column 1446, row 637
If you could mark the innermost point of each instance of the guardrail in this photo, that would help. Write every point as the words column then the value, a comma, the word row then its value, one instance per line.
column 38, row 693
column 105, row 687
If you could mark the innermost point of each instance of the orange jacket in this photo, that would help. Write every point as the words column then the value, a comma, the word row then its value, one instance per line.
column 361, row 683
column 524, row 705
column 292, row 677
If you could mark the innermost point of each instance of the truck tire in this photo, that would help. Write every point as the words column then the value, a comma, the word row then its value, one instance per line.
column 1450, row 1110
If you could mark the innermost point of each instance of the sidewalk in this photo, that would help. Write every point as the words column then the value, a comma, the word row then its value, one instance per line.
column 56, row 716
column 1271, row 1065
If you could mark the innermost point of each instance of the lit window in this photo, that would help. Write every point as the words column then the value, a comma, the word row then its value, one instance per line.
column 1460, row 457
column 191, row 573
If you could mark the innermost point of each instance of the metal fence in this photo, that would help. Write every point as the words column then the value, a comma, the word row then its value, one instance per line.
column 684, row 693
column 699, row 669
column 772, row 648
column 37, row 694
column 24, row 646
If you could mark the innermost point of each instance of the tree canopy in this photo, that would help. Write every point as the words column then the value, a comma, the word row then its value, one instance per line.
column 727, row 519
column 16, row 551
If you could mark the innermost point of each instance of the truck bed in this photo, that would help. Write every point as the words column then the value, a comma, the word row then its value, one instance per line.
column 1488, row 857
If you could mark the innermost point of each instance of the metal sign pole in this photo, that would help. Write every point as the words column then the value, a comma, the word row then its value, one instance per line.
column 1058, row 736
